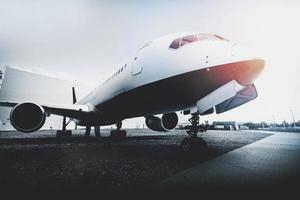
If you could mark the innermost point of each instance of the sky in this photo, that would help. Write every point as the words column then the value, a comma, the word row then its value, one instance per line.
column 87, row 40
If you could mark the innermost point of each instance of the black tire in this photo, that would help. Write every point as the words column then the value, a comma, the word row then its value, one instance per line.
column 68, row 133
column 58, row 134
column 118, row 134
column 63, row 134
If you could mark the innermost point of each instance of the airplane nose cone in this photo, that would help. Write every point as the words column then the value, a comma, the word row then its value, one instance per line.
column 245, row 72
column 248, row 64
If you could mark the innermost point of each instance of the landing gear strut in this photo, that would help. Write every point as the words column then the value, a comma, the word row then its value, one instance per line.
column 64, row 133
column 194, row 120
column 88, row 131
column 97, row 131
column 194, row 143
column 118, row 133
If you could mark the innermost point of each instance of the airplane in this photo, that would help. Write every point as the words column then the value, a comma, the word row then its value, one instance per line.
column 195, row 73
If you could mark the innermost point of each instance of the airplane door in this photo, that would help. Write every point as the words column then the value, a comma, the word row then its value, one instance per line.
column 137, row 67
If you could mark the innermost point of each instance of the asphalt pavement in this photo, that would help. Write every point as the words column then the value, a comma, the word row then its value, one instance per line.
column 144, row 160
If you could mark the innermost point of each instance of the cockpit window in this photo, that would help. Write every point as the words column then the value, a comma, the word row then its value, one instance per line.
column 179, row 42
column 188, row 39
column 206, row 36
column 175, row 43
column 146, row 45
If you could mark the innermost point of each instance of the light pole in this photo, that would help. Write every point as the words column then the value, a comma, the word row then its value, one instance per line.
column 274, row 120
column 293, row 118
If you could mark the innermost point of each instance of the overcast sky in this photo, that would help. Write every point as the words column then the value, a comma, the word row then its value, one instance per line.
column 86, row 40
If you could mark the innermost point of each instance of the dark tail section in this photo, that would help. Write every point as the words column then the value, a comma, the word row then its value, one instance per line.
column 74, row 95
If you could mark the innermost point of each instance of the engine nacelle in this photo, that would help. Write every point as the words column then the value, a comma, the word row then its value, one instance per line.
column 166, row 123
column 27, row 117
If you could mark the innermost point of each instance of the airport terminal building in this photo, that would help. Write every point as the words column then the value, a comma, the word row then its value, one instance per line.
column 225, row 125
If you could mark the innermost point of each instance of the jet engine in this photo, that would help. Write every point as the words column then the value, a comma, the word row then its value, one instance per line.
column 166, row 123
column 27, row 117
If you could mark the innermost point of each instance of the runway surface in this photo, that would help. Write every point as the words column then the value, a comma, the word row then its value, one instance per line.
column 268, row 165
column 146, row 159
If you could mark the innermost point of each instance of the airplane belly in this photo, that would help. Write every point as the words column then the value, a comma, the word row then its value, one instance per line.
column 171, row 94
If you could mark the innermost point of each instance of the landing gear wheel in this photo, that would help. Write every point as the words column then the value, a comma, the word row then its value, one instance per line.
column 118, row 134
column 63, row 134
column 193, row 145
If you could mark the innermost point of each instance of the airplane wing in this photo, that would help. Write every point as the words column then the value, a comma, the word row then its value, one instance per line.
column 8, row 104
column 71, row 111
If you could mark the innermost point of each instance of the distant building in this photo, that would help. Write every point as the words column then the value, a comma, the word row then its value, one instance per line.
column 225, row 125
column 183, row 125
column 20, row 86
column 243, row 127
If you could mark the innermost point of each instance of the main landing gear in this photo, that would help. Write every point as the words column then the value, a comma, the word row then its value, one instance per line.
column 118, row 133
column 88, row 131
column 64, row 133
column 194, row 143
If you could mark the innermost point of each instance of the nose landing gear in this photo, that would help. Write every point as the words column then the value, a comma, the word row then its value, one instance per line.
column 193, row 143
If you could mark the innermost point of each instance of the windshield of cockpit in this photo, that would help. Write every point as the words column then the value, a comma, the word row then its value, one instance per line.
column 179, row 42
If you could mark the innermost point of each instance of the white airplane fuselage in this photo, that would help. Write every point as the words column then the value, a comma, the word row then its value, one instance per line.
column 160, row 79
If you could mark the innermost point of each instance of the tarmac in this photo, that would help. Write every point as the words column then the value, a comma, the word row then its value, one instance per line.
column 270, row 164
column 237, row 161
